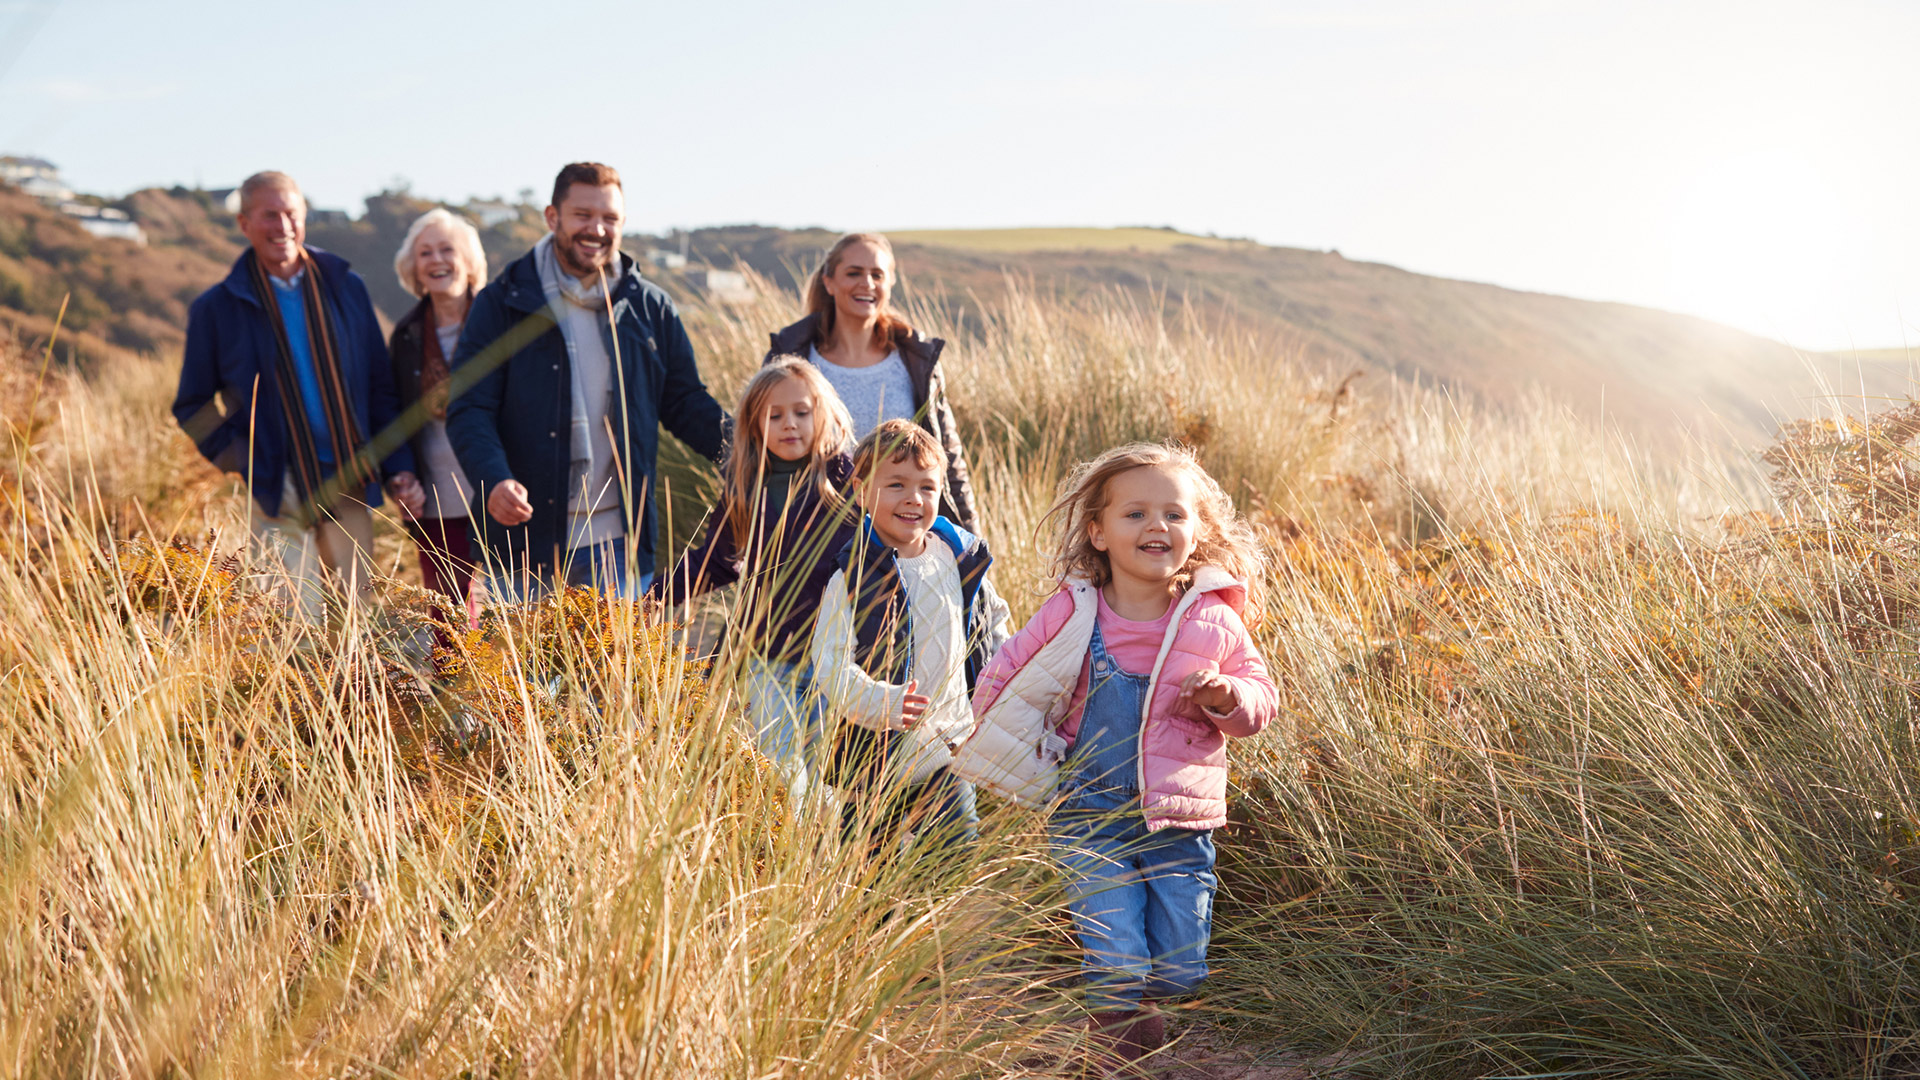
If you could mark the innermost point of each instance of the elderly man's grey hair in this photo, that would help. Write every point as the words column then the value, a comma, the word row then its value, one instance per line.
column 466, row 239
column 265, row 181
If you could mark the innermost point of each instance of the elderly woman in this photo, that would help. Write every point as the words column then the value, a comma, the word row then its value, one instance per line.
column 882, row 368
column 442, row 263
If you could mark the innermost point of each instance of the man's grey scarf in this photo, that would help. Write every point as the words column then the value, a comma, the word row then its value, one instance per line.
column 563, row 289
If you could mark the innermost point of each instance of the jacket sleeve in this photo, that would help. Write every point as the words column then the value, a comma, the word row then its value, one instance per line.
column 848, row 691
column 1020, row 649
column 686, row 409
column 1244, row 667
column 705, row 567
column 478, row 382
column 995, row 619
column 195, row 401
column 959, row 480
column 383, row 399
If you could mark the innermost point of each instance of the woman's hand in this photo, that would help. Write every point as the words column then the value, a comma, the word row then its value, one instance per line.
column 1211, row 691
column 406, row 490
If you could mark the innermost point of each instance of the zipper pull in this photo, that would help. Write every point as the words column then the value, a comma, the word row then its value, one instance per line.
column 1053, row 748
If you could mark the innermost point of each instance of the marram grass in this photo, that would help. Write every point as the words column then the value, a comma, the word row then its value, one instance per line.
column 1596, row 763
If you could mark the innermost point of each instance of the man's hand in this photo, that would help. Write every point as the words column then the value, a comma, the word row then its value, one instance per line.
column 406, row 490
column 507, row 503
column 1210, row 690
column 913, row 706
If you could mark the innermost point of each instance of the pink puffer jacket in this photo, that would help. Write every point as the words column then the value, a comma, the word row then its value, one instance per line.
column 1033, row 687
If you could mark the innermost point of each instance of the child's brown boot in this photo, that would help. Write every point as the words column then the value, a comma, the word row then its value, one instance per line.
column 1147, row 1034
column 1110, row 1050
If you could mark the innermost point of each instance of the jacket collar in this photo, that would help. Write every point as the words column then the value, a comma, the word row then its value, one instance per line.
column 415, row 318
column 797, row 338
column 240, row 283
column 1206, row 579
column 525, row 294
column 963, row 543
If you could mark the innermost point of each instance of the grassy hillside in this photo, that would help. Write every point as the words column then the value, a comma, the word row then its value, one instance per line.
column 1020, row 241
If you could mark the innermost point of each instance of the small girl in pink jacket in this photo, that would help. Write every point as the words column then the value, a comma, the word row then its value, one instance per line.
column 1113, row 705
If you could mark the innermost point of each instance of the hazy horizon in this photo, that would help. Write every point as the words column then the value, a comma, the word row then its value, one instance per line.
column 1741, row 162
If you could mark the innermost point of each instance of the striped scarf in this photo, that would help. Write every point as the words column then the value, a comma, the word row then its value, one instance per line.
column 318, row 493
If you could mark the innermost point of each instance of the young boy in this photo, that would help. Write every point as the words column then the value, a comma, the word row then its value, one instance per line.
column 906, row 624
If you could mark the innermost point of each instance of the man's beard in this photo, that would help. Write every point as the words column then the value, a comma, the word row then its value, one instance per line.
column 576, row 262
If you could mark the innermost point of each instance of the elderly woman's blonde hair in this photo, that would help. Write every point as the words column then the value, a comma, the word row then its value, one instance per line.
column 466, row 241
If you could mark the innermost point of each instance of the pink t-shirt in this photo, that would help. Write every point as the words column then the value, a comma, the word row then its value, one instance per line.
column 1136, row 645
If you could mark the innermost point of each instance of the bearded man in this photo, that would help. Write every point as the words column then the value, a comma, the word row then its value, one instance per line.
column 568, row 365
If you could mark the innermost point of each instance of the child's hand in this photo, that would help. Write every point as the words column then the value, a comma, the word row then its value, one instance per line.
column 1210, row 690
column 913, row 706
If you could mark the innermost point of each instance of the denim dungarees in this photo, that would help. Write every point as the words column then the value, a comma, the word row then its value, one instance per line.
column 1142, row 902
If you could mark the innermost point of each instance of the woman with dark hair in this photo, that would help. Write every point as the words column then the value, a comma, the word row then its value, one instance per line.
column 442, row 263
column 882, row 368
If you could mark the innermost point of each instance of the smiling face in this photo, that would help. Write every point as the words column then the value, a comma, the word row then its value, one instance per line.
column 788, row 428
column 438, row 266
column 902, row 497
column 861, row 281
column 1149, row 526
column 586, row 228
column 275, row 223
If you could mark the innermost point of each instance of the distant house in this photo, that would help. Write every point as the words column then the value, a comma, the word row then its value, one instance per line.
column 15, row 170
column 726, row 286
column 105, row 221
column 491, row 212
column 666, row 260
column 37, row 177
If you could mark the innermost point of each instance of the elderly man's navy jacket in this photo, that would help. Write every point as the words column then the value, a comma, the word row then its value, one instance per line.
column 231, row 351
column 513, row 403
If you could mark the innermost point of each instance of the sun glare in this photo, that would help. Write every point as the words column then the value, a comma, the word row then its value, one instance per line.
column 1769, row 243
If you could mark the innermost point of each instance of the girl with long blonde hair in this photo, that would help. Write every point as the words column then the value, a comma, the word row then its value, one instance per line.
column 781, row 518
column 1112, row 706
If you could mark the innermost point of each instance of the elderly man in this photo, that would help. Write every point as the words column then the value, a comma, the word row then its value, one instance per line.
column 574, row 362
column 286, row 381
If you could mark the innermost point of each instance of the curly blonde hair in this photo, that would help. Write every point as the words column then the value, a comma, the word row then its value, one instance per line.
column 1224, row 538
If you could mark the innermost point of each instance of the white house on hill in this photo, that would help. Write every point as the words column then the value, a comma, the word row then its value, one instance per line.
column 37, row 177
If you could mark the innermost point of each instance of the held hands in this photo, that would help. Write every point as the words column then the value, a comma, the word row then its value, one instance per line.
column 1211, row 691
column 913, row 706
column 406, row 490
column 507, row 503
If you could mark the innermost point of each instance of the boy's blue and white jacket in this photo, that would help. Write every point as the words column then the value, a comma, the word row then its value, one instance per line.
column 864, row 642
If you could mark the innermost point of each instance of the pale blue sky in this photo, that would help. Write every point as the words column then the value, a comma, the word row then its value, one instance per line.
column 1754, row 162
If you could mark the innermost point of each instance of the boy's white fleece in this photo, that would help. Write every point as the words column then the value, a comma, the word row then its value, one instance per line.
column 932, row 584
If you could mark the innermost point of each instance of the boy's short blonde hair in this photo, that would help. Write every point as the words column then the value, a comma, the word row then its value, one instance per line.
column 897, row 440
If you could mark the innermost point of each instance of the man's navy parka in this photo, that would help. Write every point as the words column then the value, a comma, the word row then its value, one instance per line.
column 511, row 421
column 231, row 348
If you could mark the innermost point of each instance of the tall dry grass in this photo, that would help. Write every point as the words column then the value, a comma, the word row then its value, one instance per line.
column 1598, row 762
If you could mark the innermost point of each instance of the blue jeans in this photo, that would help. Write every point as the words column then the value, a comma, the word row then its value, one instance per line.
column 1142, row 902
column 789, row 723
column 601, row 566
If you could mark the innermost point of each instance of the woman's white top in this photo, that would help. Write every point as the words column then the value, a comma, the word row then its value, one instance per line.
column 448, row 493
column 873, row 394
